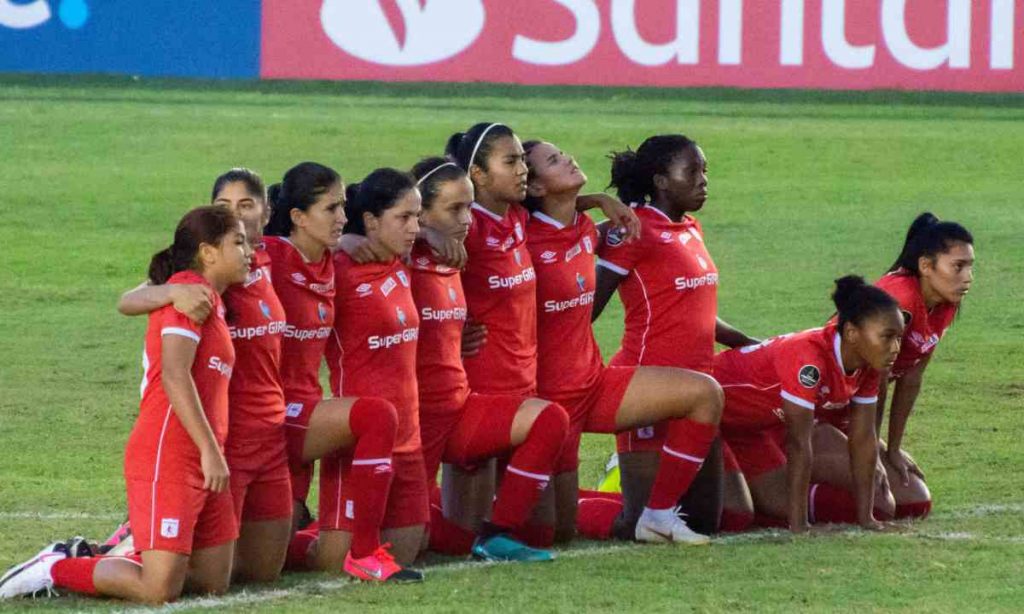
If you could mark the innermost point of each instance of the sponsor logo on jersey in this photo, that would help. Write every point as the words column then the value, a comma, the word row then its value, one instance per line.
column 293, row 410
column 581, row 282
column 218, row 365
column 321, row 312
column 572, row 253
column 924, row 344
column 306, row 334
column 451, row 294
column 169, row 527
column 364, row 290
column 443, row 315
column 383, row 342
column 615, row 237
column 423, row 261
column 402, row 277
column 584, row 299
column 809, row 376
column 692, row 283
column 274, row 327
column 388, row 285
column 548, row 257
column 497, row 281
column 264, row 309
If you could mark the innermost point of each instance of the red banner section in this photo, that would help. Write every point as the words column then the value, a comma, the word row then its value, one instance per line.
column 961, row 45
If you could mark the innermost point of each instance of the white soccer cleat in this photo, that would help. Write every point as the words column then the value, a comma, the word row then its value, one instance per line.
column 33, row 575
column 665, row 526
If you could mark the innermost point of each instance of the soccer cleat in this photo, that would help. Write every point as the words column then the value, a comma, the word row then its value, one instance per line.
column 610, row 481
column 665, row 526
column 120, row 543
column 33, row 575
column 379, row 567
column 501, row 547
column 78, row 547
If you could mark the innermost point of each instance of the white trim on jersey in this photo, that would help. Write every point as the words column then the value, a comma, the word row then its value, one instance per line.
column 647, row 327
column 839, row 354
column 614, row 268
column 156, row 477
column 547, row 219
column 865, row 400
column 526, row 474
column 371, row 461
column 494, row 216
column 795, row 400
column 810, row 503
column 145, row 373
column 660, row 212
column 677, row 454
column 749, row 386
column 181, row 332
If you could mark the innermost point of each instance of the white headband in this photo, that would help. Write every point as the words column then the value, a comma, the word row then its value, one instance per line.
column 434, row 170
column 479, row 140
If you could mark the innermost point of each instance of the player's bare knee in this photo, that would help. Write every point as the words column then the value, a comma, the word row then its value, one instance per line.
column 159, row 593
column 710, row 401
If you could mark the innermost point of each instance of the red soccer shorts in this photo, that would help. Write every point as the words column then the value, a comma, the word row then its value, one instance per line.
column 177, row 517
column 408, row 503
column 756, row 452
column 297, row 416
column 593, row 412
column 260, row 479
column 478, row 431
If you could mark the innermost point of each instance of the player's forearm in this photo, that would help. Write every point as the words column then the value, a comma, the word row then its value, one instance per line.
column 731, row 337
column 586, row 202
column 145, row 299
column 883, row 396
column 607, row 283
column 798, row 480
column 904, row 396
column 181, row 392
column 863, row 448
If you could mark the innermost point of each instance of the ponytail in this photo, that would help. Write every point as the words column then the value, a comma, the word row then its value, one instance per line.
column 474, row 145
column 927, row 238
column 202, row 225
column 633, row 171
column 299, row 189
column 856, row 301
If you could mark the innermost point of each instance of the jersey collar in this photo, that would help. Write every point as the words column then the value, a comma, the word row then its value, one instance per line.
column 550, row 221
column 297, row 250
column 659, row 212
column 494, row 216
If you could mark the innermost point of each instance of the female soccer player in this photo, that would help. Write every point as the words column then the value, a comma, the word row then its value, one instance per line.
column 306, row 221
column 374, row 352
column 668, row 284
column 458, row 426
column 256, row 445
column 179, row 502
column 781, row 382
column 562, row 244
column 500, row 283
column 930, row 278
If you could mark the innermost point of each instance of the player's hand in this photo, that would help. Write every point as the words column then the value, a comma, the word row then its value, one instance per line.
column 215, row 470
column 193, row 300
column 362, row 250
column 904, row 465
column 474, row 336
column 451, row 251
column 621, row 216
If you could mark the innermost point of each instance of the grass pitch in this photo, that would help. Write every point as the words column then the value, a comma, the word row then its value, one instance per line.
column 804, row 187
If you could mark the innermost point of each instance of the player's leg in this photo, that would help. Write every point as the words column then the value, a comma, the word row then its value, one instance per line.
column 832, row 498
column 913, row 499
column 737, row 504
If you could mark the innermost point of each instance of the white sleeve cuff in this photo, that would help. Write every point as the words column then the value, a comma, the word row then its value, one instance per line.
column 181, row 332
column 612, row 267
column 865, row 400
column 795, row 400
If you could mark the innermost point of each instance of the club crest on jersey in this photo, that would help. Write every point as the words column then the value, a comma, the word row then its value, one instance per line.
column 809, row 376
column 581, row 281
column 265, row 308
column 518, row 258
column 519, row 231
column 702, row 262
column 684, row 237
column 169, row 527
column 299, row 278
column 400, row 315
column 402, row 277
column 588, row 245
column 615, row 237
column 548, row 257
column 451, row 294
column 321, row 310
column 388, row 285
column 364, row 290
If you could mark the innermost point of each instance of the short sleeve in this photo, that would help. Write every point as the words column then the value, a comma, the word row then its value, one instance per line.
column 800, row 374
column 173, row 322
column 616, row 255
column 867, row 391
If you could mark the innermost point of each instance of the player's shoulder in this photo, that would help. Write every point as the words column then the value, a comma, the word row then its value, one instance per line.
column 903, row 286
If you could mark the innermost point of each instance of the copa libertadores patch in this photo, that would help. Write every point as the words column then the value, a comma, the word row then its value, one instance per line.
column 809, row 376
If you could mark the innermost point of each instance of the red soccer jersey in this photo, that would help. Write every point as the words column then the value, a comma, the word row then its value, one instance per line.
column 159, row 447
column 501, row 293
column 306, row 291
column 256, row 320
column 568, row 358
column 441, row 304
column 670, row 293
column 804, row 368
column 924, row 328
column 377, row 328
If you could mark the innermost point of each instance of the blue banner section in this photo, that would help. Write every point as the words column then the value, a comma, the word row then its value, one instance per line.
column 180, row 38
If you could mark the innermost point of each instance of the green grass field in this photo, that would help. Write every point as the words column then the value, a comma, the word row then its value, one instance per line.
column 805, row 187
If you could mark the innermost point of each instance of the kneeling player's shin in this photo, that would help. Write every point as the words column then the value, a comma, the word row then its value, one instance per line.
column 685, row 447
column 374, row 422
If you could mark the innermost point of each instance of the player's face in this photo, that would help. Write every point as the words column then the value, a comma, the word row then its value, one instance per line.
column 685, row 182
column 325, row 218
column 553, row 171
column 504, row 176
column 248, row 207
column 949, row 274
column 878, row 338
column 229, row 261
column 397, row 227
column 449, row 214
